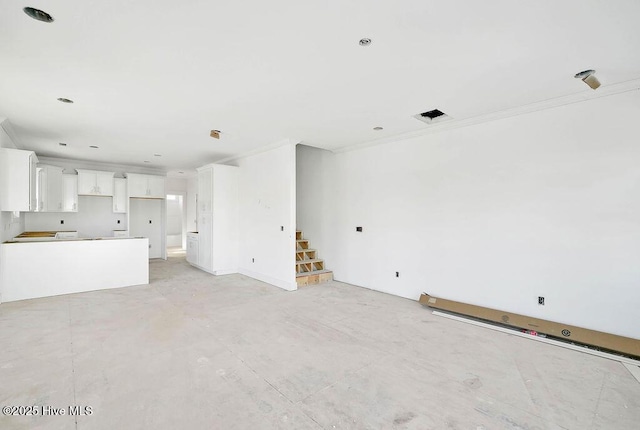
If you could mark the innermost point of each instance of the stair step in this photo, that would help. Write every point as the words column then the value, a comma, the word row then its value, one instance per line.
column 307, row 266
column 305, row 254
column 315, row 260
column 299, row 235
column 315, row 277
column 315, row 272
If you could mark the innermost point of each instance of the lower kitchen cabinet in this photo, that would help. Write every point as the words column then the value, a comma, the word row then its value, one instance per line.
column 192, row 248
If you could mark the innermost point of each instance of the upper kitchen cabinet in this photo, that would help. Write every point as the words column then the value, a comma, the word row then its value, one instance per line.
column 49, row 188
column 119, row 195
column 95, row 183
column 146, row 186
column 69, row 193
column 18, row 178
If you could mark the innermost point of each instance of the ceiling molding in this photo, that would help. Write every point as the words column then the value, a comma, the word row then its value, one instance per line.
column 8, row 128
column 610, row 90
column 69, row 163
column 257, row 151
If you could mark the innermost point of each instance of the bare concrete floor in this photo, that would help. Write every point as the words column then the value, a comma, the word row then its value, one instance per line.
column 193, row 351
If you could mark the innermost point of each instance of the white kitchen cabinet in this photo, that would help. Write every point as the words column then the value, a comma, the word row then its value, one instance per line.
column 49, row 189
column 69, row 193
column 95, row 183
column 192, row 248
column 119, row 195
column 218, row 219
column 18, row 178
column 146, row 186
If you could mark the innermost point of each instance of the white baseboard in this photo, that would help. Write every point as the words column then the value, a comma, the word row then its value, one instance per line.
column 289, row 286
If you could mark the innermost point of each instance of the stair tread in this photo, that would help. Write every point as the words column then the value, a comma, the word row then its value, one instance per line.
column 315, row 260
column 306, row 250
column 302, row 240
column 315, row 272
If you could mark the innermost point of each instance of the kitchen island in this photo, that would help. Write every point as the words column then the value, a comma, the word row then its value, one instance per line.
column 31, row 269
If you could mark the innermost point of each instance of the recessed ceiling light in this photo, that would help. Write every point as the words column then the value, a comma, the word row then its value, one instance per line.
column 63, row 100
column 157, row 155
column 365, row 42
column 181, row 173
column 38, row 14
column 93, row 146
column 378, row 128
column 147, row 161
column 62, row 144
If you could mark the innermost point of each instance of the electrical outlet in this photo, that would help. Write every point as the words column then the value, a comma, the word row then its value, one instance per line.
column 359, row 229
column 281, row 228
column 397, row 274
column 61, row 221
column 541, row 300
column 118, row 221
column 253, row 260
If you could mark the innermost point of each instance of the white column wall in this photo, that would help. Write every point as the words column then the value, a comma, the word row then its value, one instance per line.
column 267, row 216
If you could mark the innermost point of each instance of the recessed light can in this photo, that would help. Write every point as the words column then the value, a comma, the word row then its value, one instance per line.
column 62, row 144
column 365, row 42
column 38, row 14
column 378, row 128
column 93, row 146
column 63, row 100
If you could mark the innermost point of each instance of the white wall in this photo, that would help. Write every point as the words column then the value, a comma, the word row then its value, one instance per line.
column 267, row 203
column 499, row 213
column 95, row 218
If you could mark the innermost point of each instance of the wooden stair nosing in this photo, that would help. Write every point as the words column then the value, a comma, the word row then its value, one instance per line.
column 313, row 272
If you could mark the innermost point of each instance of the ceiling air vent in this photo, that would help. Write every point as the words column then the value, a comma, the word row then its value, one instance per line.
column 432, row 116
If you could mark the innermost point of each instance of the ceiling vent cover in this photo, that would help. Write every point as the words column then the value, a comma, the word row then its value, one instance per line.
column 432, row 116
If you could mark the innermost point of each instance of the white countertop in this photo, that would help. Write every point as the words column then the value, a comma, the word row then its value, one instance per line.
column 75, row 239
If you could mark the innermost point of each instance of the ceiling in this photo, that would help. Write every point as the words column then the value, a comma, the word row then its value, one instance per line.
column 154, row 77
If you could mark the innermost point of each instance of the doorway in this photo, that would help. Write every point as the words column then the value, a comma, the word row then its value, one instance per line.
column 176, row 222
